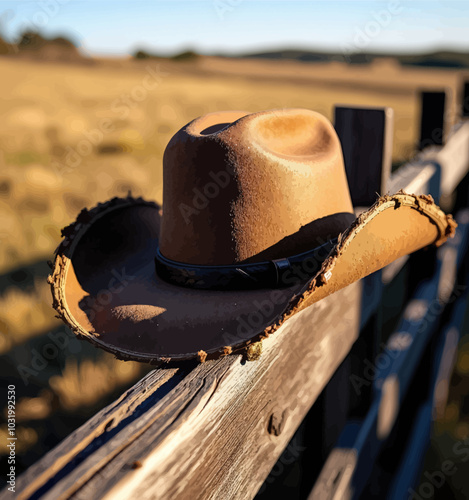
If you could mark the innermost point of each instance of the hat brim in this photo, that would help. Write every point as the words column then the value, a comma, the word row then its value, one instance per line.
column 105, row 287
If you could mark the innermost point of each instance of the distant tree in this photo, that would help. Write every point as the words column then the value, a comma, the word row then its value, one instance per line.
column 141, row 54
column 5, row 48
column 65, row 42
column 184, row 56
column 30, row 40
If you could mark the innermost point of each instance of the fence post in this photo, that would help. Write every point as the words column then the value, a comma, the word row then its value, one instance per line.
column 432, row 119
column 366, row 135
column 465, row 100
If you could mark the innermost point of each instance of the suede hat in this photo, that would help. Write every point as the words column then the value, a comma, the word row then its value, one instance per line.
column 257, row 224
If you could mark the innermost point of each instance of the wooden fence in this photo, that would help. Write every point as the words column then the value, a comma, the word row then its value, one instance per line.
column 362, row 371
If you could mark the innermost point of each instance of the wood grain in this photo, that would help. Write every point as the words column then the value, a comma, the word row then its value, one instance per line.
column 216, row 430
column 101, row 424
column 211, row 435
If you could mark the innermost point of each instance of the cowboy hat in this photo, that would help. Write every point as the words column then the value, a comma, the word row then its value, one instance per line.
column 257, row 224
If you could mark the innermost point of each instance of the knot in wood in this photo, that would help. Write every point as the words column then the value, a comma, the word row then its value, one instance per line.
column 277, row 422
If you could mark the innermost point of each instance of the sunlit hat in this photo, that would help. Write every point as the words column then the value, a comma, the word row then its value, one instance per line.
column 257, row 224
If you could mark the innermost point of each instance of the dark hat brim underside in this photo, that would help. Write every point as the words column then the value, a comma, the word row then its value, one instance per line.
column 105, row 287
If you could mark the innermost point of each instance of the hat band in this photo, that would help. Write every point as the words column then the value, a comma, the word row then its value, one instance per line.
column 278, row 273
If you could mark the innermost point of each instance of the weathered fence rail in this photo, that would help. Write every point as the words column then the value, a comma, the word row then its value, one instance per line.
column 347, row 468
column 215, row 430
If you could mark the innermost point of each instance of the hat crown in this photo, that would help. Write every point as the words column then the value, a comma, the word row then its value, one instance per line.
column 250, row 187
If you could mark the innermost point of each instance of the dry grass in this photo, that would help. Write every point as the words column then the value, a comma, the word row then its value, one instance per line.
column 86, row 383
column 53, row 108
column 25, row 314
column 74, row 135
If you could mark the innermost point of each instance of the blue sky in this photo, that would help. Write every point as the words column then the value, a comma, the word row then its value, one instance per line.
column 113, row 27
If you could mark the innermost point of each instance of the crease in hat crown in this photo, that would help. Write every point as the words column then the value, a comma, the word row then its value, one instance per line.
column 266, row 155
column 248, row 187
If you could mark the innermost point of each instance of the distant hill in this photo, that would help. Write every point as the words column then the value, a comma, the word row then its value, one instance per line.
column 5, row 47
column 183, row 56
column 34, row 45
column 441, row 59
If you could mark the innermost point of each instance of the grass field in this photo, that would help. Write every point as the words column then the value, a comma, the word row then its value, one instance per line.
column 72, row 135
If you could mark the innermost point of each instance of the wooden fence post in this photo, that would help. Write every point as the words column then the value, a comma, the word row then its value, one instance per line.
column 366, row 136
column 465, row 100
column 432, row 119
